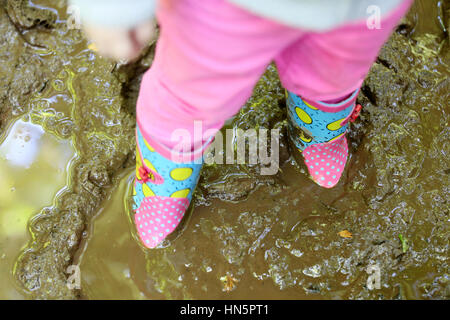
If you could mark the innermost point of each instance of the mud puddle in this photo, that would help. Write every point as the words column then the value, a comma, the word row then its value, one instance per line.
column 114, row 266
column 33, row 170
column 106, row 263
column 279, row 237
column 248, row 236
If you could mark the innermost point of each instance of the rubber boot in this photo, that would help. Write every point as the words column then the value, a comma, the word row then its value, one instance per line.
column 162, row 192
column 318, row 131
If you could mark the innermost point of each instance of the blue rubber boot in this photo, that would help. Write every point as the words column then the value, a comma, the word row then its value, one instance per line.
column 318, row 131
column 162, row 192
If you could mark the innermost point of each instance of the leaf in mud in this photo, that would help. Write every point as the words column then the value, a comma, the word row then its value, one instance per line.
column 345, row 234
column 93, row 47
column 229, row 282
column 404, row 242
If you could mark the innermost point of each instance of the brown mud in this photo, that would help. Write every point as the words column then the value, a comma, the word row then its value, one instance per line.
column 276, row 236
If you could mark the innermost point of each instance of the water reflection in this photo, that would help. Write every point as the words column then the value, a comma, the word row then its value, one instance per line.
column 33, row 169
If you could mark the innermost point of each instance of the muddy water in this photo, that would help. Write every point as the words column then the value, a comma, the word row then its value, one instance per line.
column 49, row 75
column 114, row 266
column 106, row 269
column 278, row 237
column 33, row 170
column 267, row 237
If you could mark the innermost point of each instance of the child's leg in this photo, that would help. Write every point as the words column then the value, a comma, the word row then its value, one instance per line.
column 208, row 58
column 329, row 67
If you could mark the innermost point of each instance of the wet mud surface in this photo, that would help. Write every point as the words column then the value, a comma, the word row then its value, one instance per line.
column 248, row 236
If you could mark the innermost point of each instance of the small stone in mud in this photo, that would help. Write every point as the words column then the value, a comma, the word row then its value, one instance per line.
column 99, row 176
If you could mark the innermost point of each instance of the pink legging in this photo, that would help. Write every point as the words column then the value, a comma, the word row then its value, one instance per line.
column 210, row 54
